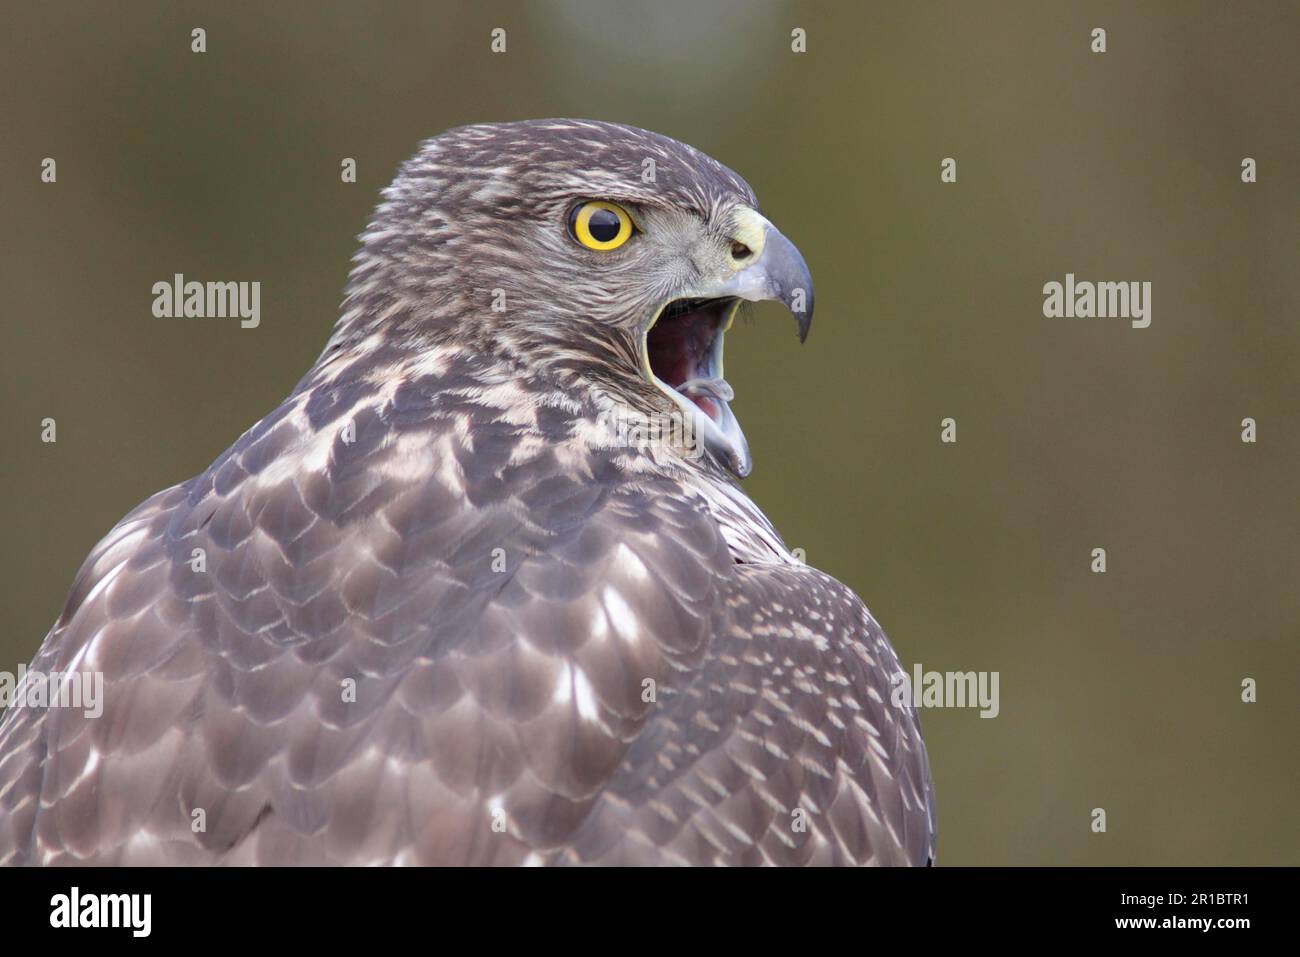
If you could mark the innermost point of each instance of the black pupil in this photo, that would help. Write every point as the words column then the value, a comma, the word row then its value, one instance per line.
column 603, row 225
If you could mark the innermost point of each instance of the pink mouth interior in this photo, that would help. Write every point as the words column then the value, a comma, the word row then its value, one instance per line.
column 680, row 345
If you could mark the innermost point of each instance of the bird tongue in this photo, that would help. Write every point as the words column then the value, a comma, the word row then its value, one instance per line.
column 707, row 392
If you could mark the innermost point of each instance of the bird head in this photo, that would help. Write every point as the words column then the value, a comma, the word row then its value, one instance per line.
column 589, row 249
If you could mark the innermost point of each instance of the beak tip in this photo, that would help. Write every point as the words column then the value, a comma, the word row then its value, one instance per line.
column 804, row 317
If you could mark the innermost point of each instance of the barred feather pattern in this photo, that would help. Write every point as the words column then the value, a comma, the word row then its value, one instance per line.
column 443, row 616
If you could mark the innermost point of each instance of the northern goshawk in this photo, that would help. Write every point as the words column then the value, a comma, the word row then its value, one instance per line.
column 484, row 588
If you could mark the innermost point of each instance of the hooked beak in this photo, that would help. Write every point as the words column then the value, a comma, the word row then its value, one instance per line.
column 682, row 346
column 779, row 273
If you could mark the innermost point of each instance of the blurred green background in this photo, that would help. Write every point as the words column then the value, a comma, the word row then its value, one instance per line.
column 1119, row 691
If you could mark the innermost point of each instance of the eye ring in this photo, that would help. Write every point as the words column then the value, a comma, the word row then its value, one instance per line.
column 601, row 226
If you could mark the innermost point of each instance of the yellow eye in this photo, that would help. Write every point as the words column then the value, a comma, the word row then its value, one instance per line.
column 600, row 226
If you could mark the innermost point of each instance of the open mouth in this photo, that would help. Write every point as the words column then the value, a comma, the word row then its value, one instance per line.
column 681, row 345
column 683, row 357
column 684, row 349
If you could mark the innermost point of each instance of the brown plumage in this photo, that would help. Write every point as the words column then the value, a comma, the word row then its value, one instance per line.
column 447, row 611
